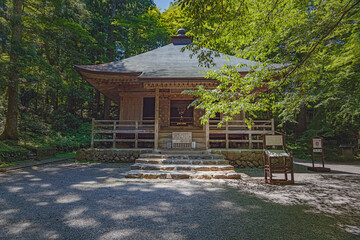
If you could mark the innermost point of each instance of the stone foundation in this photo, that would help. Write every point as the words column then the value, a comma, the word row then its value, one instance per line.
column 110, row 155
column 242, row 158
column 239, row 158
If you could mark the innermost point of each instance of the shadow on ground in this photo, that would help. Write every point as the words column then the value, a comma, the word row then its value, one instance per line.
column 86, row 201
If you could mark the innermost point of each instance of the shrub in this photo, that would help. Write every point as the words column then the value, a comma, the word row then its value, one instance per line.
column 12, row 154
column 62, row 122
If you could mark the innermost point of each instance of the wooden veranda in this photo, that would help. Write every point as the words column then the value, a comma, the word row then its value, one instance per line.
column 145, row 134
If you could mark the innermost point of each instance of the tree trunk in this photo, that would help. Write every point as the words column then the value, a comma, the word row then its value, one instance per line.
column 110, row 53
column 11, row 124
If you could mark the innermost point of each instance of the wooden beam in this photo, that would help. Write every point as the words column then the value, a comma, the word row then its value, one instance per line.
column 227, row 135
column 114, row 135
column 136, row 134
column 156, row 135
column 207, row 134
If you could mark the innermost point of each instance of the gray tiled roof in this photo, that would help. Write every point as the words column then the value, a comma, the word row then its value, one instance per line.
column 166, row 62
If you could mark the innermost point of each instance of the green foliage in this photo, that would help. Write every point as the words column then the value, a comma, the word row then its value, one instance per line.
column 54, row 102
column 10, row 154
column 66, row 155
column 63, row 141
column 315, row 43
column 63, row 122
column 307, row 54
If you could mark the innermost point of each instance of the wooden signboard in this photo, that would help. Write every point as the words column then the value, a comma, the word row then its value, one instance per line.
column 182, row 139
column 317, row 142
column 317, row 150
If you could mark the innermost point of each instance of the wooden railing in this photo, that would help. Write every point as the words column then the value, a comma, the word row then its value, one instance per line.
column 140, row 133
column 122, row 131
column 236, row 134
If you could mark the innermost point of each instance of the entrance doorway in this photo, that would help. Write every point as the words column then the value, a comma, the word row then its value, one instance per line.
column 149, row 108
column 180, row 114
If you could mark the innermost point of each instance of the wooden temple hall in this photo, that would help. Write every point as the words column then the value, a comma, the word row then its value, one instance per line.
column 154, row 113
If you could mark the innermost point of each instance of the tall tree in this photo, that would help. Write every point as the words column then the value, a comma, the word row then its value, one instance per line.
column 315, row 45
column 11, row 124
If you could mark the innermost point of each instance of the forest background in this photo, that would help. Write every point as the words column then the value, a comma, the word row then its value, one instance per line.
column 40, row 41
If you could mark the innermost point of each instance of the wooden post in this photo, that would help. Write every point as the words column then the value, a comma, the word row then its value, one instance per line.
column 136, row 134
column 92, row 133
column 227, row 135
column 156, row 134
column 114, row 135
column 250, row 141
column 272, row 126
column 207, row 134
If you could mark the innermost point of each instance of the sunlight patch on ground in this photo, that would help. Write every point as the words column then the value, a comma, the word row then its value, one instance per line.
column 17, row 228
column 230, row 205
column 14, row 189
column 42, row 204
column 76, row 212
column 118, row 234
column 69, row 198
column 82, row 223
column 51, row 235
column 45, row 185
column 335, row 194
column 50, row 193
column 351, row 229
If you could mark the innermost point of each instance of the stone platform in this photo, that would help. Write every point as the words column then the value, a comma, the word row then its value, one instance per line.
column 182, row 165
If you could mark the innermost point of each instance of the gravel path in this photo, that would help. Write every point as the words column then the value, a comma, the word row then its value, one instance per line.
column 94, row 201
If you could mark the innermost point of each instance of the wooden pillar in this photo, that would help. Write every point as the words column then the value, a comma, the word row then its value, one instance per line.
column 272, row 126
column 227, row 135
column 207, row 134
column 156, row 134
column 250, row 141
column 114, row 135
column 92, row 132
column 136, row 134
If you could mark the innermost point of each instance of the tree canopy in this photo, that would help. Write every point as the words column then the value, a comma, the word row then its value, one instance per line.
column 55, row 35
column 316, row 43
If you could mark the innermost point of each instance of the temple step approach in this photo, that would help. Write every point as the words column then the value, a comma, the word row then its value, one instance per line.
column 182, row 165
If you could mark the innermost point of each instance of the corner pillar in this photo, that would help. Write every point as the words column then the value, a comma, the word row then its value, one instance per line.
column 156, row 133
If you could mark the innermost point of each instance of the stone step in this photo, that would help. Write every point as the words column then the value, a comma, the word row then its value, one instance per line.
column 183, row 151
column 183, row 174
column 181, row 167
column 182, row 161
column 181, row 156
column 197, row 140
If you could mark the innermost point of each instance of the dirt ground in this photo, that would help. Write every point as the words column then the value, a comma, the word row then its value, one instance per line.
column 95, row 201
column 335, row 195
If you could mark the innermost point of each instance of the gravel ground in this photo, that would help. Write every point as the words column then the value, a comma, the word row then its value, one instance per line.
column 94, row 201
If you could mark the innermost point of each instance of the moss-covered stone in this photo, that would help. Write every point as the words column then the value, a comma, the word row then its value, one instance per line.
column 241, row 158
column 110, row 155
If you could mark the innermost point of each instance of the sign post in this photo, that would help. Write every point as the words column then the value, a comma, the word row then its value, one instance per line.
column 317, row 150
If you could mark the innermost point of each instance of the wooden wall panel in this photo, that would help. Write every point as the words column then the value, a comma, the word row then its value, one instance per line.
column 131, row 108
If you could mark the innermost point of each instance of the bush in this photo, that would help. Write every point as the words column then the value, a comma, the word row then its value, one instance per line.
column 12, row 154
column 33, row 125
column 72, row 141
column 62, row 122
column 301, row 148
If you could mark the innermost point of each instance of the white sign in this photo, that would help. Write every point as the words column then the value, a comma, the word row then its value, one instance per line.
column 182, row 137
column 317, row 143
column 317, row 150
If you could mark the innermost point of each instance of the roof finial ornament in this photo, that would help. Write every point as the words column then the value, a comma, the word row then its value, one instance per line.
column 181, row 32
column 181, row 38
